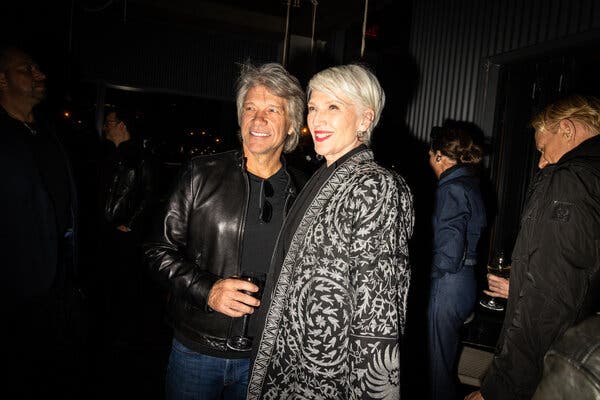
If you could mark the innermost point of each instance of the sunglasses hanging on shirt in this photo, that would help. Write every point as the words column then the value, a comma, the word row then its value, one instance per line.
column 266, row 209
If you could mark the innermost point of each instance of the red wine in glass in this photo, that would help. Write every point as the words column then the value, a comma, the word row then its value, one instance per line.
column 243, row 342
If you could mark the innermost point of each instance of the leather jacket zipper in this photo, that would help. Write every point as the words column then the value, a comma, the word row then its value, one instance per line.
column 238, row 267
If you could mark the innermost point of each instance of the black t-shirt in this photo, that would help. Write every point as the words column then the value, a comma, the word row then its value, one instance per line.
column 259, row 237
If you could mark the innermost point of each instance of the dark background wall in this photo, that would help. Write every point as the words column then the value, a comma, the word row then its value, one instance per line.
column 496, row 63
column 453, row 42
column 492, row 63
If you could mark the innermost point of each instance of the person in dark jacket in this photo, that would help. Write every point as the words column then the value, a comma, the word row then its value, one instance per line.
column 572, row 365
column 38, row 298
column 221, row 222
column 458, row 221
column 126, row 174
column 555, row 277
column 126, row 187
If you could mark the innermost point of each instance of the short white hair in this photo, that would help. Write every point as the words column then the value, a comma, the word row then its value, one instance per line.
column 356, row 83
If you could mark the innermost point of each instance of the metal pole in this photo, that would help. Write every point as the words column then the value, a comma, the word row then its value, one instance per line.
column 364, row 29
column 100, row 100
column 314, row 19
column 285, row 39
column 70, row 49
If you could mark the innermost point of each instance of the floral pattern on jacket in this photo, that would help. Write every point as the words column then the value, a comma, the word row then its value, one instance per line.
column 334, row 323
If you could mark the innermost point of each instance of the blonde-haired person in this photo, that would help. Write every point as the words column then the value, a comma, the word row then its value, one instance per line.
column 340, row 274
column 555, row 278
column 459, row 218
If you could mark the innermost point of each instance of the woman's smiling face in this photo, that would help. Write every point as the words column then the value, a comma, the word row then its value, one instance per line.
column 334, row 123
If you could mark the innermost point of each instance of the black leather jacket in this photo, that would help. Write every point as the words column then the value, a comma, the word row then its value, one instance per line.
column 127, row 182
column 199, row 239
column 572, row 365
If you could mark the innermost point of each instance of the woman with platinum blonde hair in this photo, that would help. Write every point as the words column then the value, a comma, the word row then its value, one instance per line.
column 335, row 303
column 358, row 86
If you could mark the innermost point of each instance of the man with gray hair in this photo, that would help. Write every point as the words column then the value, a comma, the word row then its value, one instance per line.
column 220, row 224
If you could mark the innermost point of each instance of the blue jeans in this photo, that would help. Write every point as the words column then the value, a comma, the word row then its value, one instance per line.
column 451, row 300
column 195, row 376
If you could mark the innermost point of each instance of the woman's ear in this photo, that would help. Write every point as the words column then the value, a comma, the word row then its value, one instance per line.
column 367, row 119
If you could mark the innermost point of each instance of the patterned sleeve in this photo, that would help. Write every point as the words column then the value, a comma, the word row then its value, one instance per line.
column 379, row 274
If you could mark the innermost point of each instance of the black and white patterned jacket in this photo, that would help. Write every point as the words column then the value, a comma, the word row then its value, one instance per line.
column 338, row 308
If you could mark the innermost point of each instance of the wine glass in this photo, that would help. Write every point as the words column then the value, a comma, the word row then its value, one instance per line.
column 243, row 342
column 500, row 267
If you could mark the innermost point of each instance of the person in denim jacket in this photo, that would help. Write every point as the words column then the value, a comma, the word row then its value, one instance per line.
column 458, row 221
